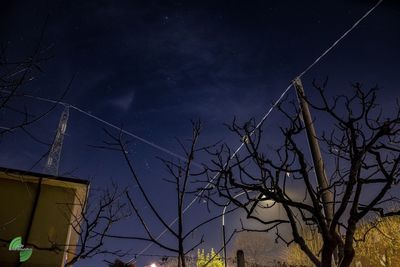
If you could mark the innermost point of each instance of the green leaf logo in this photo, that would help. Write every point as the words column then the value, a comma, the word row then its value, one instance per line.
column 16, row 245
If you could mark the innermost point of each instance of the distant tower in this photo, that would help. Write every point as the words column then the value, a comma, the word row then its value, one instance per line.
column 53, row 159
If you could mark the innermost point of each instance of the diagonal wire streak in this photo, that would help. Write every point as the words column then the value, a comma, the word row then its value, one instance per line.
column 152, row 144
column 265, row 116
column 334, row 44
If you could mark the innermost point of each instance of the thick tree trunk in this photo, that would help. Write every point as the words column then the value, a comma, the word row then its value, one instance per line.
column 181, row 255
column 349, row 252
column 327, row 254
column 348, row 258
column 183, row 260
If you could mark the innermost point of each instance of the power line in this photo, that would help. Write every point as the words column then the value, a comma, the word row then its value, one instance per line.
column 152, row 144
column 339, row 39
column 266, row 115
column 134, row 136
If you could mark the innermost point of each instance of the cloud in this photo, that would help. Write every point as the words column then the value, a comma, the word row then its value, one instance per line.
column 123, row 102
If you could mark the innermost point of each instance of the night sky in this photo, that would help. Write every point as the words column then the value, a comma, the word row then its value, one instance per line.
column 151, row 66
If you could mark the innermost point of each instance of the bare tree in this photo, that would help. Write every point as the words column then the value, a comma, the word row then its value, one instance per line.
column 363, row 148
column 15, row 77
column 377, row 244
column 180, row 172
column 96, row 220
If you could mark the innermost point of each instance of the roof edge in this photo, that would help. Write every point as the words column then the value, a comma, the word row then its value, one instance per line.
column 43, row 175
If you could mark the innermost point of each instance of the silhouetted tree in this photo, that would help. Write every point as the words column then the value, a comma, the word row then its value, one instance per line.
column 377, row 244
column 363, row 148
column 99, row 214
column 15, row 77
column 180, row 172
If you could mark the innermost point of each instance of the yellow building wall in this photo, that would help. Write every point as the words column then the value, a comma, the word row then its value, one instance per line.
column 51, row 222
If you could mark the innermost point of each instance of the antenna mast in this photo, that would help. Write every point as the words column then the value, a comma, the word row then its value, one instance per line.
column 53, row 159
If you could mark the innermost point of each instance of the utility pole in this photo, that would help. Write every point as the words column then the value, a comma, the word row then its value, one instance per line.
column 327, row 196
column 53, row 160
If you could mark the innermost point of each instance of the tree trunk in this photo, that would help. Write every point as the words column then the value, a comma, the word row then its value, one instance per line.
column 348, row 246
column 348, row 258
column 181, row 254
column 183, row 260
column 327, row 254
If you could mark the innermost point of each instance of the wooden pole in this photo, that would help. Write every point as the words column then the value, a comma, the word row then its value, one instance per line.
column 327, row 196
